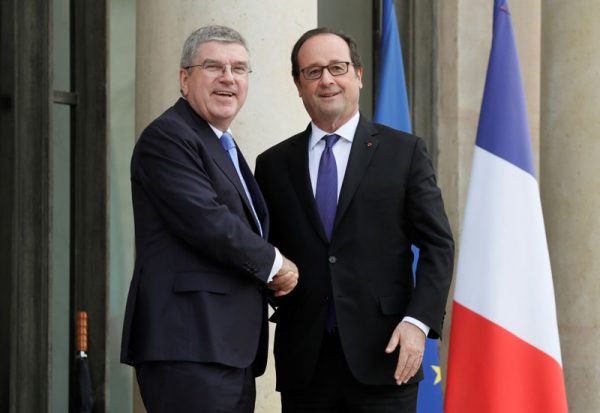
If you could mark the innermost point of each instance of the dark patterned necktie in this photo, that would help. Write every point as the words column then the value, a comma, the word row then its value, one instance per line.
column 326, row 199
column 327, row 185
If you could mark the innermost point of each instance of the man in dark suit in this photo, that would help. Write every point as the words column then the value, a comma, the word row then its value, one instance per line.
column 347, row 199
column 195, row 324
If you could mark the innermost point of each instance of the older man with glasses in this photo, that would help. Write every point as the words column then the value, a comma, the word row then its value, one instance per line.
column 195, row 325
column 355, row 195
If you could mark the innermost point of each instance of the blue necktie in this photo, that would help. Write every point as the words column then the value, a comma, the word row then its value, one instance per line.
column 326, row 199
column 227, row 143
column 326, row 192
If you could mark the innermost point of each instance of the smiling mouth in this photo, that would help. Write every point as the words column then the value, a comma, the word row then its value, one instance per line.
column 328, row 94
column 224, row 93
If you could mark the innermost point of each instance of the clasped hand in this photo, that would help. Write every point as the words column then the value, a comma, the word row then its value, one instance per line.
column 285, row 280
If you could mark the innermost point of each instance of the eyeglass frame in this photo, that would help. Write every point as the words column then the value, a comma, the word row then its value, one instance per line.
column 325, row 67
column 222, row 66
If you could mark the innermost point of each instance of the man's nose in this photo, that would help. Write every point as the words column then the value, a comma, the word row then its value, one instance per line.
column 227, row 74
column 326, row 77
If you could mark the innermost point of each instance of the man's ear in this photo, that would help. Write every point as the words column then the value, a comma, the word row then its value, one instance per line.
column 183, row 82
column 359, row 73
column 297, row 83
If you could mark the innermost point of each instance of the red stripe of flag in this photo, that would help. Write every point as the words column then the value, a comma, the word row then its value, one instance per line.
column 494, row 371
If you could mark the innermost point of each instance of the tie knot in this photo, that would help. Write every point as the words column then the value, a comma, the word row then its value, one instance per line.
column 227, row 141
column 330, row 140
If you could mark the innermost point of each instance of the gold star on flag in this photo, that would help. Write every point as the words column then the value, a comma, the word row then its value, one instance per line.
column 438, row 374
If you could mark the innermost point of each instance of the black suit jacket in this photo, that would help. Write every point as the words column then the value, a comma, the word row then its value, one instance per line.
column 197, row 288
column 389, row 200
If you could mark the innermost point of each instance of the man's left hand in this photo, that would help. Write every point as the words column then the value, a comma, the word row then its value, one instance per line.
column 411, row 340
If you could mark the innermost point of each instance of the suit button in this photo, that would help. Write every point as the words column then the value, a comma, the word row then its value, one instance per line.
column 332, row 259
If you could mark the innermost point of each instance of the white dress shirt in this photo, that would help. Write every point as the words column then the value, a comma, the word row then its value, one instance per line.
column 341, row 151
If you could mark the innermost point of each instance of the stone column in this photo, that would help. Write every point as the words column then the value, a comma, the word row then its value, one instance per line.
column 570, row 162
column 464, row 40
column 272, row 112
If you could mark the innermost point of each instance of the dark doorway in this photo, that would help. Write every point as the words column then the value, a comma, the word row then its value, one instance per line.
column 53, row 258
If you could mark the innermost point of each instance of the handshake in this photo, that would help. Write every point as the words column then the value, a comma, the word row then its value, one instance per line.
column 285, row 280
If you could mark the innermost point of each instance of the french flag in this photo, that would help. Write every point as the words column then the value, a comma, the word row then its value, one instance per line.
column 504, row 347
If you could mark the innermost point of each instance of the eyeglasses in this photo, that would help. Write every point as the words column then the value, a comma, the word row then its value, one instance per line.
column 315, row 72
column 216, row 69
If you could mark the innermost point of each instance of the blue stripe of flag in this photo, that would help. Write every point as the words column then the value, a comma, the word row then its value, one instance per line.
column 503, row 128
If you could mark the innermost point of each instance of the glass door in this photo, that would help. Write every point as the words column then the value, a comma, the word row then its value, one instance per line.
column 60, row 181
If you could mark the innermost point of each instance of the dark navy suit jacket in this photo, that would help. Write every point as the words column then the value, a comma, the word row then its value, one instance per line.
column 197, row 292
column 389, row 200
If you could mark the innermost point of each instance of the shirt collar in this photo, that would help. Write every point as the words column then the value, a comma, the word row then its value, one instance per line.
column 346, row 131
column 219, row 132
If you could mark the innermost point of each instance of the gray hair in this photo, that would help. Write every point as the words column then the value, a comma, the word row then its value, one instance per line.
column 208, row 34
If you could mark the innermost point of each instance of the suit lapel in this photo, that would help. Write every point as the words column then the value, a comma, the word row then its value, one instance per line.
column 215, row 149
column 224, row 162
column 364, row 146
column 297, row 160
column 258, row 201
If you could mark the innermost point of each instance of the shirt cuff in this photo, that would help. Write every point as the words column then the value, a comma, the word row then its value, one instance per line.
column 277, row 264
column 423, row 327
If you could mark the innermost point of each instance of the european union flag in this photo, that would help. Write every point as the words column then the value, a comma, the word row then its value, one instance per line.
column 391, row 109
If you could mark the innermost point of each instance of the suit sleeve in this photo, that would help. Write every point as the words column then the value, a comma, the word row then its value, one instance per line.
column 430, row 231
column 173, row 176
column 260, row 175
